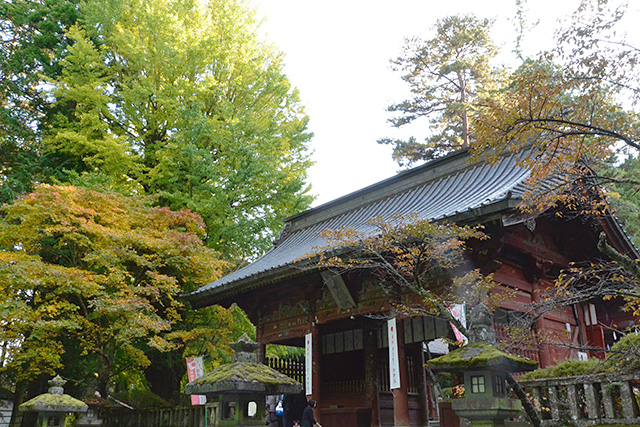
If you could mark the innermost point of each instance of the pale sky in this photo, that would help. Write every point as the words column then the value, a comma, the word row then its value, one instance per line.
column 337, row 55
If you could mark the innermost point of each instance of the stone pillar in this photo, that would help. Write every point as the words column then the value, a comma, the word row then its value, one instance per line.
column 371, row 372
column 553, row 403
column 572, row 398
column 401, row 395
column 593, row 409
column 628, row 401
column 608, row 401
column 535, row 396
column 261, row 352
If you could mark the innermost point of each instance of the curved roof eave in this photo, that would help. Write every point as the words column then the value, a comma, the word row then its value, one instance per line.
column 205, row 297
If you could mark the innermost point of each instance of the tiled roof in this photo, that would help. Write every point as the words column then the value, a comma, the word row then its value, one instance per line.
column 450, row 187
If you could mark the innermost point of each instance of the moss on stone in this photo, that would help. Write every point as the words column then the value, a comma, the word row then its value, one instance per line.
column 245, row 372
column 479, row 356
column 54, row 403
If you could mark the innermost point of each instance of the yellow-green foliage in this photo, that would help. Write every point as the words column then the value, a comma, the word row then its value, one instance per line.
column 88, row 276
column 623, row 355
column 566, row 369
column 284, row 351
column 141, row 399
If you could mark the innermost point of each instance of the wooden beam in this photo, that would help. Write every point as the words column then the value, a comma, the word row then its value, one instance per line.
column 536, row 250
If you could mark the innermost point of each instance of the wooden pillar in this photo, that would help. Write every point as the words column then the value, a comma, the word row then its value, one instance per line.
column 401, row 395
column 316, row 351
column 543, row 350
column 424, row 391
column 370, row 346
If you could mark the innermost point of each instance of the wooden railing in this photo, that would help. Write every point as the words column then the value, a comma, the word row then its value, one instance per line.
column 343, row 387
column 586, row 400
column 502, row 335
column 293, row 368
column 412, row 375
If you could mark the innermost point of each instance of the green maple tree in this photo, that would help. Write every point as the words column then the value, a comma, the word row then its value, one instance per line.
column 90, row 285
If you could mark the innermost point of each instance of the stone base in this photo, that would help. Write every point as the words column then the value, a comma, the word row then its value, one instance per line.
column 487, row 411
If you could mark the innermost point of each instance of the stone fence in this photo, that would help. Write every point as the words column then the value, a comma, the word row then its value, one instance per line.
column 586, row 400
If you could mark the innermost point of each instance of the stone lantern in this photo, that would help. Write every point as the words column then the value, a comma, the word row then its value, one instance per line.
column 54, row 406
column 239, row 388
column 484, row 368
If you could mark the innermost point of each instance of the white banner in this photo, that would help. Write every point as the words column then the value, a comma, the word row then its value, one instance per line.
column 458, row 313
column 308, row 364
column 195, row 369
column 394, row 364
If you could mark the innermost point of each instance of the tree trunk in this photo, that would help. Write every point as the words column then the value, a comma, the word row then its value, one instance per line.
column 526, row 403
column 34, row 388
column 463, row 114
column 18, row 399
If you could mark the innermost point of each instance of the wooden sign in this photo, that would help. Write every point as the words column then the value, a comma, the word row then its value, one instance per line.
column 339, row 290
column 308, row 362
column 394, row 363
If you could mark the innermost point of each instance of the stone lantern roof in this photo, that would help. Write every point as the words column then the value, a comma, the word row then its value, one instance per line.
column 479, row 356
column 55, row 400
column 243, row 375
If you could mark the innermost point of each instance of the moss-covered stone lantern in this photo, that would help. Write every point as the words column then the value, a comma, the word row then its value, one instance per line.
column 484, row 368
column 53, row 407
column 240, row 387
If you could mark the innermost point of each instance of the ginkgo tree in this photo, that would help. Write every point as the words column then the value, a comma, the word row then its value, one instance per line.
column 90, row 283
column 181, row 100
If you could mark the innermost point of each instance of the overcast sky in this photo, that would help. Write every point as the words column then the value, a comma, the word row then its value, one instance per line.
column 337, row 55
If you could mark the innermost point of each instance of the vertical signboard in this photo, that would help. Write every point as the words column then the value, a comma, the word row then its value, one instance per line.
column 308, row 364
column 195, row 369
column 394, row 364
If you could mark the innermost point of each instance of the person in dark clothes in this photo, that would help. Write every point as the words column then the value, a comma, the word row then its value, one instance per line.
column 307, row 415
column 287, row 415
column 299, row 403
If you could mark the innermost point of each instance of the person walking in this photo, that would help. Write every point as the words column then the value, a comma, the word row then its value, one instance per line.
column 307, row 415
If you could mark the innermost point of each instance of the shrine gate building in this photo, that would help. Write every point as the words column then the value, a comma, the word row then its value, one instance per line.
column 286, row 300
